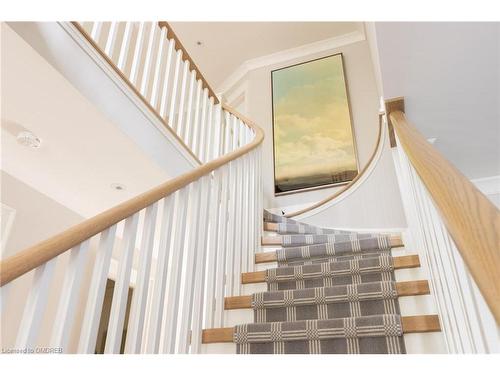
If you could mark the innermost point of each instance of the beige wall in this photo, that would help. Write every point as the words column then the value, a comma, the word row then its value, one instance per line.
column 37, row 218
column 364, row 101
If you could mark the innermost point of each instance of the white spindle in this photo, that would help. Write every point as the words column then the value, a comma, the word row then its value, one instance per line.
column 111, row 41
column 139, row 298
column 35, row 306
column 189, row 113
column 162, row 44
column 195, row 131
column 182, row 99
column 92, row 316
column 231, row 232
column 245, row 212
column 222, row 249
column 238, row 245
column 96, row 31
column 201, row 125
column 161, row 273
column 65, row 314
column 136, row 60
column 173, row 97
column 191, row 247
column 168, row 68
column 213, row 247
column 209, row 144
column 148, row 62
column 122, row 285
column 172, row 310
column 124, row 49
column 200, row 272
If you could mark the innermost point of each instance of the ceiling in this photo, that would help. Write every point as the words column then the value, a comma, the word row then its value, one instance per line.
column 227, row 45
column 82, row 152
column 449, row 74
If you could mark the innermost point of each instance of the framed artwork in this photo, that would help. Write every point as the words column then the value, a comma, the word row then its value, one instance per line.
column 313, row 137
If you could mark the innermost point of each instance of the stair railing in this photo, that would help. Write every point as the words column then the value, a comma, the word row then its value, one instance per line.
column 181, row 246
column 457, row 230
column 150, row 58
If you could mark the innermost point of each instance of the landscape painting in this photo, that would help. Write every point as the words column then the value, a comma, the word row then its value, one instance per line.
column 313, row 138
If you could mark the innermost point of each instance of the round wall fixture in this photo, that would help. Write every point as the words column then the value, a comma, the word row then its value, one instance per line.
column 28, row 139
column 117, row 186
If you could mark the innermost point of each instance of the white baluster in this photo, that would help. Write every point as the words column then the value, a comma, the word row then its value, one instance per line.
column 136, row 60
column 35, row 306
column 200, row 272
column 191, row 138
column 186, row 136
column 193, row 229
column 138, row 306
column 173, row 97
column 122, row 285
column 210, row 132
column 231, row 232
column 245, row 213
column 222, row 249
column 180, row 117
column 238, row 211
column 96, row 31
column 213, row 246
column 160, row 275
column 172, row 310
column 65, row 314
column 157, row 71
column 148, row 62
column 111, row 41
column 92, row 316
column 168, row 68
column 201, row 126
column 124, row 49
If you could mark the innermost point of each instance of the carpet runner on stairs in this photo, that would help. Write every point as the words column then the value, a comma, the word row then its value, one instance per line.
column 333, row 292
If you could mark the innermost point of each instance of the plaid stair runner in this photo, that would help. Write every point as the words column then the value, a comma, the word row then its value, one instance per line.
column 333, row 292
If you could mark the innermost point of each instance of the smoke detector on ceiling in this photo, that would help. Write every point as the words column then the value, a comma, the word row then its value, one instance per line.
column 28, row 139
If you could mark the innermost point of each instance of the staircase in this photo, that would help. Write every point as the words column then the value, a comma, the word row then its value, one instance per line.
column 191, row 249
column 333, row 292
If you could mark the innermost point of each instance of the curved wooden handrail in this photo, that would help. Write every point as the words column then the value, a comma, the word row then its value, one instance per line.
column 171, row 35
column 351, row 183
column 34, row 256
column 471, row 219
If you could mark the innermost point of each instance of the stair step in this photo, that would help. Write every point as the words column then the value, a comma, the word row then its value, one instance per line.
column 396, row 241
column 405, row 261
column 270, row 256
column 411, row 324
column 404, row 288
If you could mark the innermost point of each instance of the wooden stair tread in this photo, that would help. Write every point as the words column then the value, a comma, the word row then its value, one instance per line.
column 270, row 256
column 405, row 261
column 404, row 288
column 411, row 324
column 396, row 241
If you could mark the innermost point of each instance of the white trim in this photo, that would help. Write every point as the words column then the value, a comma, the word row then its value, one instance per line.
column 240, row 94
column 290, row 54
column 488, row 185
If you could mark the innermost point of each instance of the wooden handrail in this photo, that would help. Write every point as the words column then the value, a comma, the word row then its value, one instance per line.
column 171, row 35
column 34, row 256
column 471, row 219
column 351, row 183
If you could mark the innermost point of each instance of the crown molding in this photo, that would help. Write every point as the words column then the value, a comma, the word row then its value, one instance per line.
column 290, row 54
column 488, row 185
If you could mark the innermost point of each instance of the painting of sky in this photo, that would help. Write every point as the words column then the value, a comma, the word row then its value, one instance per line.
column 313, row 139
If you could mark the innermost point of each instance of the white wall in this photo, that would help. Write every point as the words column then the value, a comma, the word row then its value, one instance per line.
column 489, row 186
column 449, row 74
column 364, row 100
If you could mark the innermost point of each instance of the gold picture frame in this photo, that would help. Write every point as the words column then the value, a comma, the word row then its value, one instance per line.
column 314, row 145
